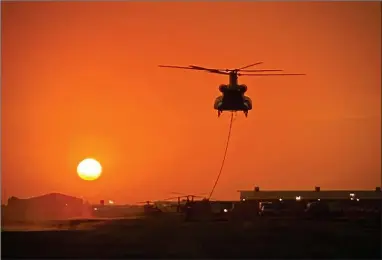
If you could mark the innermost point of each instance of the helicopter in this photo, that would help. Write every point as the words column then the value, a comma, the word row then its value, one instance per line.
column 233, row 96
column 183, row 200
column 150, row 208
column 202, row 208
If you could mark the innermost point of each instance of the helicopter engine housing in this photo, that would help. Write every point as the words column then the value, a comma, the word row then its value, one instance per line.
column 223, row 88
column 243, row 88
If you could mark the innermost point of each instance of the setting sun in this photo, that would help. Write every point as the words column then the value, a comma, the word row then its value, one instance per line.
column 89, row 169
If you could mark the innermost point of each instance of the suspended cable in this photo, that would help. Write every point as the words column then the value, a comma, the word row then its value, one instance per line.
column 225, row 155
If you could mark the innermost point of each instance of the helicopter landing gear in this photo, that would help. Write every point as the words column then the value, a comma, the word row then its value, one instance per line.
column 219, row 113
column 246, row 113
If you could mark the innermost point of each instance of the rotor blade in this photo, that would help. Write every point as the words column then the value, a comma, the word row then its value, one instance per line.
column 272, row 74
column 266, row 70
column 200, row 68
column 194, row 68
column 199, row 197
column 180, row 194
column 177, row 193
column 203, row 68
column 172, row 198
column 176, row 67
column 254, row 64
column 218, row 71
column 185, row 196
column 196, row 195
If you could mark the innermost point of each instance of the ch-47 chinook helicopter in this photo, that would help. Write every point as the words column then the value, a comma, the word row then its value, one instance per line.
column 233, row 98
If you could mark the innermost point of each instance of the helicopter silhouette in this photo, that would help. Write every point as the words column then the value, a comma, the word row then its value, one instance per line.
column 233, row 96
column 150, row 207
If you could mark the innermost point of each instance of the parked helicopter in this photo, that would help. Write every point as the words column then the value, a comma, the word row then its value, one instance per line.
column 233, row 98
column 183, row 200
column 150, row 208
column 202, row 208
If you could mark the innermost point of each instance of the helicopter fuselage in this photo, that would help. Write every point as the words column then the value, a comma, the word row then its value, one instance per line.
column 233, row 99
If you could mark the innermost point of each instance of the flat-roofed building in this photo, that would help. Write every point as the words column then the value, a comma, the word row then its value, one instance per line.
column 298, row 199
column 314, row 194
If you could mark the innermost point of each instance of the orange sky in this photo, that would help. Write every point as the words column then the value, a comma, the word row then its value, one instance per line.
column 81, row 79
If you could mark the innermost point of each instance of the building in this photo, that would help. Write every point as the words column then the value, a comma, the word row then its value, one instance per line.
column 307, row 195
column 368, row 199
column 51, row 206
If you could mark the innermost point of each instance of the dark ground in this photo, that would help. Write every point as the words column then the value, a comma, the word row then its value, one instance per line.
column 169, row 236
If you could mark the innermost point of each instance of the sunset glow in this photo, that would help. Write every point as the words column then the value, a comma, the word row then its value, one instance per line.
column 81, row 79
